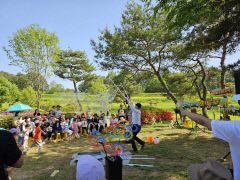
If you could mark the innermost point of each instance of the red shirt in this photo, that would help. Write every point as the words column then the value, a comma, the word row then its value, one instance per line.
column 37, row 135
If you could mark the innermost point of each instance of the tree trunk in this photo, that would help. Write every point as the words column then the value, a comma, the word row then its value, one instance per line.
column 38, row 104
column 198, row 90
column 76, row 94
column 204, row 112
column 223, row 67
column 203, row 82
column 38, row 98
column 169, row 92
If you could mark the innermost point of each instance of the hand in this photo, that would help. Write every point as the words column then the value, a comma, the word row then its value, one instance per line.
column 19, row 145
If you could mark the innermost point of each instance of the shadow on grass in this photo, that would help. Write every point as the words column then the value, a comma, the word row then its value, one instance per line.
column 176, row 151
column 174, row 155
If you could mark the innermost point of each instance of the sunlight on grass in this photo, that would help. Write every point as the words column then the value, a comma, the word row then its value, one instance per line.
column 178, row 149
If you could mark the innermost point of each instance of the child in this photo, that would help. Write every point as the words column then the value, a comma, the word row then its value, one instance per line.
column 121, row 112
column 104, row 119
column 21, row 133
column 84, row 125
column 75, row 128
column 112, row 119
column 37, row 138
column 67, row 130
column 89, row 118
column 55, row 129
column 116, row 119
column 26, row 131
column 80, row 126
column 47, row 131
column 15, row 133
column 94, row 123
column 101, row 125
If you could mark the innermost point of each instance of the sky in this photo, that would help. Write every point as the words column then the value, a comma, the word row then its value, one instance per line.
column 75, row 22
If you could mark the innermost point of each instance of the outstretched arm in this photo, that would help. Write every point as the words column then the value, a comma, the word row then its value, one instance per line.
column 197, row 118
column 130, row 104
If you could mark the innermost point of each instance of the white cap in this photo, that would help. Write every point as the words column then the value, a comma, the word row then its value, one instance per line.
column 89, row 168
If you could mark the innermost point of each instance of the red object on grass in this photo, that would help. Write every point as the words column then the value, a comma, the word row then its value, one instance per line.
column 91, row 136
column 107, row 151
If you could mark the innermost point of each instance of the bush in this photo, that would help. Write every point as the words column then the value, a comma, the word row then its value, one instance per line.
column 6, row 121
column 7, row 118
column 167, row 116
column 148, row 118
column 8, row 92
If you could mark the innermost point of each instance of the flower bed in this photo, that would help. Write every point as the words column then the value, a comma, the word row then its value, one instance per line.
column 6, row 118
column 150, row 118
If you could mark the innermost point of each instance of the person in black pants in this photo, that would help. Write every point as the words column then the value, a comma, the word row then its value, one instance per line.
column 136, row 120
column 94, row 123
column 56, row 128
column 46, row 130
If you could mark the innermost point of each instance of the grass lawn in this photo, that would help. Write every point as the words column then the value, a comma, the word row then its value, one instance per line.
column 178, row 149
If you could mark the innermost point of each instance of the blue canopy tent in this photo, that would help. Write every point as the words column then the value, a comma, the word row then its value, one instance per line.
column 19, row 107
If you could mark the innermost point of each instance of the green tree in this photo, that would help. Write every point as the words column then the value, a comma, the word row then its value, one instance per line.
column 33, row 49
column 140, row 44
column 128, row 82
column 93, row 85
column 28, row 96
column 153, row 86
column 74, row 66
column 8, row 92
column 10, row 77
column 97, row 86
column 54, row 87
column 210, row 25
column 22, row 81
column 195, row 65
column 180, row 83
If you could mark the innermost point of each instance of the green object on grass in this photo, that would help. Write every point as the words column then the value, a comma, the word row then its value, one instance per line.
column 195, row 130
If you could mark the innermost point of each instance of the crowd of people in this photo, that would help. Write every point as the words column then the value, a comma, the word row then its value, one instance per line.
column 47, row 127
column 44, row 128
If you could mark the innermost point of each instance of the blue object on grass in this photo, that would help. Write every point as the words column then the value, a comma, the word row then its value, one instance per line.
column 131, row 129
column 94, row 131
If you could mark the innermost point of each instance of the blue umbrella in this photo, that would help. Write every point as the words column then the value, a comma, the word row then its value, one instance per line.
column 19, row 107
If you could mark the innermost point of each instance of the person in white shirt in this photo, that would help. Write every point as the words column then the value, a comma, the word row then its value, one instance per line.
column 136, row 120
column 103, row 117
column 84, row 124
column 89, row 119
column 26, row 130
column 121, row 112
column 73, row 117
column 228, row 131
column 101, row 125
